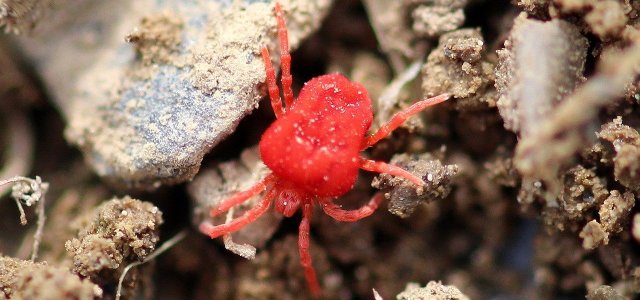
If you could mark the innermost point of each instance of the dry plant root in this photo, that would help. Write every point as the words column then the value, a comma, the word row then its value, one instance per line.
column 29, row 191
column 166, row 246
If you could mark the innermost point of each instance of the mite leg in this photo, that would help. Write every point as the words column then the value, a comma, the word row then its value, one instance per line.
column 274, row 92
column 305, row 255
column 243, row 196
column 239, row 222
column 285, row 58
column 342, row 215
column 400, row 117
column 383, row 167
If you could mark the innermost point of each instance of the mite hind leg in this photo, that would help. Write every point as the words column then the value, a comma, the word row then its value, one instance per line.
column 344, row 215
column 305, row 255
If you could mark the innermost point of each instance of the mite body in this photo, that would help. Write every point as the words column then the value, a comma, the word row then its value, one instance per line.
column 313, row 150
column 316, row 143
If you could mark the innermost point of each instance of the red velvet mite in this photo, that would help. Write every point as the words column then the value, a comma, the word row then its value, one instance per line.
column 313, row 151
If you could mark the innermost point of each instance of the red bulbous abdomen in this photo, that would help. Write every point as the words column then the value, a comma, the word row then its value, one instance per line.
column 315, row 144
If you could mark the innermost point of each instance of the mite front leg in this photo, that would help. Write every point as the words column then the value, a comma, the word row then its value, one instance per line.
column 272, row 84
column 285, row 58
column 241, row 197
column 249, row 216
column 305, row 255
column 383, row 167
column 399, row 118
column 343, row 215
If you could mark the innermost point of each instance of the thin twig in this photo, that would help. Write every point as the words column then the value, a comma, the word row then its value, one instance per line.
column 164, row 247
column 23, row 217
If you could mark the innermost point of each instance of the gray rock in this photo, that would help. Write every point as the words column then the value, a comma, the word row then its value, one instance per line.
column 144, row 113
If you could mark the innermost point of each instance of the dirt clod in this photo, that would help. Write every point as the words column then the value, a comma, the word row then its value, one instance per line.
column 119, row 231
column 614, row 212
column 433, row 290
column 606, row 18
column 21, row 279
column 455, row 67
column 604, row 292
column 438, row 17
column 626, row 143
column 403, row 195
column 157, row 38
column 583, row 191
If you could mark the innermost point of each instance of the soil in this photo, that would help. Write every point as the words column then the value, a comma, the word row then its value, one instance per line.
column 532, row 168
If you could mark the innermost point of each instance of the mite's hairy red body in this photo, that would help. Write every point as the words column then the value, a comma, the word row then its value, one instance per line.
column 313, row 150
column 316, row 143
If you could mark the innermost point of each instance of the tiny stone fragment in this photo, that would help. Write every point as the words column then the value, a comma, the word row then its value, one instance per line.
column 615, row 211
column 433, row 290
column 403, row 195
column 593, row 235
